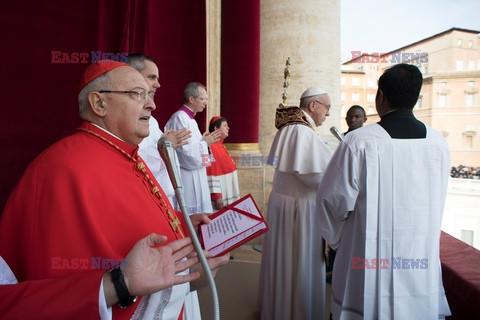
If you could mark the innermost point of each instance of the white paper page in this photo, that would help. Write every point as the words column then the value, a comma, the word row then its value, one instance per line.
column 237, row 239
column 229, row 228
column 249, row 206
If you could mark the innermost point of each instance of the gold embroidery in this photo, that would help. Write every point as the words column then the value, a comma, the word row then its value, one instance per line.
column 172, row 219
column 289, row 116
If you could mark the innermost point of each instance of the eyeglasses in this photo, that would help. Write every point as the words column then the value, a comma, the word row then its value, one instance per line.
column 140, row 95
column 324, row 104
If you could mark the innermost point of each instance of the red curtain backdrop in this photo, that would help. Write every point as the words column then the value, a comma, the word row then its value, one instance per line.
column 39, row 97
column 241, row 69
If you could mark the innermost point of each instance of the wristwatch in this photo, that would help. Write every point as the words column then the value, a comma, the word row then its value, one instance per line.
column 124, row 297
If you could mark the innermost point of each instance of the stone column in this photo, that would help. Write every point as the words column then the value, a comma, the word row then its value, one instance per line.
column 213, row 11
column 307, row 31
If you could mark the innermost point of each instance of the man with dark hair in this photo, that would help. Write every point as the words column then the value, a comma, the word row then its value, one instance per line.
column 148, row 148
column 380, row 205
column 355, row 118
column 222, row 174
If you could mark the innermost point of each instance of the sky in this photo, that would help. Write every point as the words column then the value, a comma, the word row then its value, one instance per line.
column 383, row 26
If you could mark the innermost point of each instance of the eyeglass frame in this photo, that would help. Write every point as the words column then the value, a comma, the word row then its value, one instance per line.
column 328, row 106
column 146, row 95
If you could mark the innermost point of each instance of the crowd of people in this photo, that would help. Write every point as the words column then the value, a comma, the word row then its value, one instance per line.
column 465, row 172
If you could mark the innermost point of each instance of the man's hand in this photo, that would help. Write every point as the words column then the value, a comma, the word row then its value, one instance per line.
column 151, row 268
column 211, row 138
column 218, row 204
column 178, row 138
column 199, row 218
column 213, row 263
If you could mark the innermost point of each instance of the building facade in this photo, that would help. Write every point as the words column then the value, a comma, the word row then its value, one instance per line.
column 448, row 102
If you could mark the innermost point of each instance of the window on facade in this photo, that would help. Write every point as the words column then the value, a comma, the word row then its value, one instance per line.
column 459, row 65
column 419, row 103
column 371, row 83
column 470, row 43
column 471, row 64
column 442, row 100
column 471, row 83
column 443, row 84
column 342, row 81
column 466, row 236
column 371, row 110
column 459, row 42
column 356, row 81
column 470, row 100
column 343, row 96
column 371, row 97
column 355, row 97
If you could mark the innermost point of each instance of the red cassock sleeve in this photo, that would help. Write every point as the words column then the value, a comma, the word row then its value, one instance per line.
column 63, row 298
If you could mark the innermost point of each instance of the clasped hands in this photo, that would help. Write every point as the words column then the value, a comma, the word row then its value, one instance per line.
column 178, row 138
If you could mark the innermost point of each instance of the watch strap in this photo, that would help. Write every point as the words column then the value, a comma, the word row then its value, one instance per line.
column 124, row 297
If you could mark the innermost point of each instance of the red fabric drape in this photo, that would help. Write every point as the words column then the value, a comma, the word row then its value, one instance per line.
column 241, row 69
column 39, row 98
column 461, row 278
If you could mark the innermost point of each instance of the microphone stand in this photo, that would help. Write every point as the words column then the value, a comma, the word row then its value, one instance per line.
column 336, row 133
column 168, row 155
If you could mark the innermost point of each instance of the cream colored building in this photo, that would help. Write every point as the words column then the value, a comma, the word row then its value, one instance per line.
column 449, row 100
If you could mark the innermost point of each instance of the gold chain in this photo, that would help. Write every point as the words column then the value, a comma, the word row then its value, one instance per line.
column 173, row 219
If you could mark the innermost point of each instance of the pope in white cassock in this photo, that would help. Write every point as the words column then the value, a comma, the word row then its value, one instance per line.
column 194, row 156
column 380, row 205
column 292, row 276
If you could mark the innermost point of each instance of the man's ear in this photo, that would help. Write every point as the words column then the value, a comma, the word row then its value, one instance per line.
column 383, row 99
column 97, row 104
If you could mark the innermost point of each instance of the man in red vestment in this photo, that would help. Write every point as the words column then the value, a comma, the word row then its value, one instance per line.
column 89, row 204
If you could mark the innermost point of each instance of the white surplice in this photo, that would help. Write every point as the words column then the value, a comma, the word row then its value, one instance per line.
column 292, row 276
column 148, row 150
column 193, row 158
column 383, row 198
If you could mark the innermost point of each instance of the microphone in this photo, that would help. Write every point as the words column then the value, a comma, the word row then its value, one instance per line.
column 169, row 156
column 336, row 133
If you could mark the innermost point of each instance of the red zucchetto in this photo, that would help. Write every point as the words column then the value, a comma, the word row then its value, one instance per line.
column 95, row 70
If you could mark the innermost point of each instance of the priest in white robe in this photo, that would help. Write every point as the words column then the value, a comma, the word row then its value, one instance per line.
column 148, row 148
column 292, row 276
column 194, row 157
column 380, row 205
